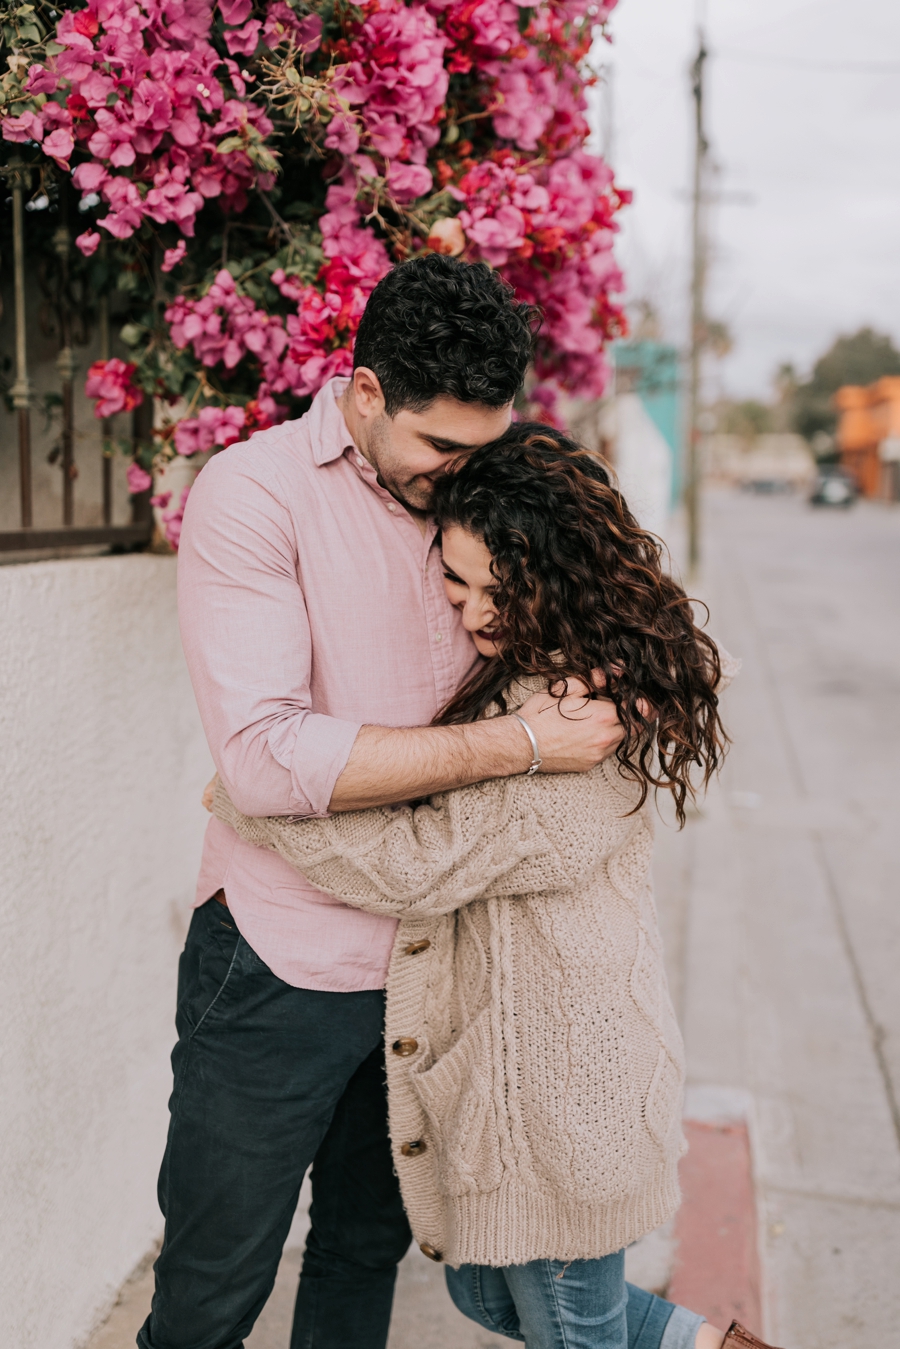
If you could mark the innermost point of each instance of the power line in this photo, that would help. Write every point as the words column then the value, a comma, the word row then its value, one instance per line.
column 820, row 67
column 698, row 308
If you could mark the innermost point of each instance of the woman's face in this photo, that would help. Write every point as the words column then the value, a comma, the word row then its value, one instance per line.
column 470, row 586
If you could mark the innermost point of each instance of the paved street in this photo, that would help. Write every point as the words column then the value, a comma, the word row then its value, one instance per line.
column 780, row 903
column 782, row 927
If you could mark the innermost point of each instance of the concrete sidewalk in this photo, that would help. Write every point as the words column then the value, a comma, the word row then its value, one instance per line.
column 782, row 930
column 780, row 908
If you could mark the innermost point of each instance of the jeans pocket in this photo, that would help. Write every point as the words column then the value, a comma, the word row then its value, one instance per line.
column 207, row 962
column 457, row 1095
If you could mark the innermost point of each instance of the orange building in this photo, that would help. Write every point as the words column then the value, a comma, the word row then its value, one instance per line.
column 868, row 435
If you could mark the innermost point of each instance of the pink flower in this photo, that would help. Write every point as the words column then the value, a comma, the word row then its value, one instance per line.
column 386, row 134
column 90, row 177
column 88, row 242
column 283, row 25
column 41, row 81
column 152, row 105
column 59, row 146
column 172, row 520
column 545, row 396
column 140, row 87
column 140, row 79
column 188, row 439
column 397, row 77
column 343, row 135
column 408, row 181
column 111, row 383
column 173, row 256
column 96, row 89
column 309, row 34
column 235, row 11
column 27, row 127
column 223, row 424
column 243, row 41
column 225, row 327
column 212, row 426
column 139, row 480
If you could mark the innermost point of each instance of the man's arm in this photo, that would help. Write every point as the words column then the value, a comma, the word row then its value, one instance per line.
column 247, row 642
column 248, row 647
column 387, row 765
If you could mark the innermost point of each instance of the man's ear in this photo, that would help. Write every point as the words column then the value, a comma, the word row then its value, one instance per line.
column 367, row 393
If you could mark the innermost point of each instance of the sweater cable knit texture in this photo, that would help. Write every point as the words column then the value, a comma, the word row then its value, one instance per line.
column 531, row 1043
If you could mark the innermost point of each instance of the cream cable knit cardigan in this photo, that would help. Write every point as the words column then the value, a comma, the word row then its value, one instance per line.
column 534, row 1064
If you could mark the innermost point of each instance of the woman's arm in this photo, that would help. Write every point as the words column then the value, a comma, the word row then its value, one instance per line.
column 507, row 837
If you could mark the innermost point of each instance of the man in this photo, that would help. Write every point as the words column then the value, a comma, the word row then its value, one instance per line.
column 321, row 644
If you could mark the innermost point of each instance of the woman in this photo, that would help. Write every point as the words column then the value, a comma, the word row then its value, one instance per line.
column 534, row 1064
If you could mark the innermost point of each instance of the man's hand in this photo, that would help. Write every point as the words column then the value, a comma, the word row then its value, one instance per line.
column 574, row 733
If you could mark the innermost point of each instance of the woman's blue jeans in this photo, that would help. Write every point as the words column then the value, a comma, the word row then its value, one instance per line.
column 582, row 1304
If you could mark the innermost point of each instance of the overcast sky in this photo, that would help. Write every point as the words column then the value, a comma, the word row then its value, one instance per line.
column 804, row 121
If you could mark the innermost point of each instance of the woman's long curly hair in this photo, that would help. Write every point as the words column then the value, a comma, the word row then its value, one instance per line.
column 580, row 587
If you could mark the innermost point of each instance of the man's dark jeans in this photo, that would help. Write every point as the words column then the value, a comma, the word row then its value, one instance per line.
column 268, row 1080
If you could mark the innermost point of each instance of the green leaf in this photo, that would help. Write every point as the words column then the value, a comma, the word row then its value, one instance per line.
column 262, row 158
column 524, row 19
column 229, row 144
column 29, row 33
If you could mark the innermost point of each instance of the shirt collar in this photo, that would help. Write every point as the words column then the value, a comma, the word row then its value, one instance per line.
column 330, row 439
column 327, row 429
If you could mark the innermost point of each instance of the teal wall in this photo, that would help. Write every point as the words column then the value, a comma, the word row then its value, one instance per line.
column 650, row 369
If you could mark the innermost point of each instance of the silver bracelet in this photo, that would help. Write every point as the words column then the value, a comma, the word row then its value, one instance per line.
column 536, row 760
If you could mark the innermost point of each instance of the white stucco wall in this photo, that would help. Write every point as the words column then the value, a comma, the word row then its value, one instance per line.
column 103, row 761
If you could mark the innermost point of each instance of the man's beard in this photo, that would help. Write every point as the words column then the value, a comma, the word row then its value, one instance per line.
column 417, row 492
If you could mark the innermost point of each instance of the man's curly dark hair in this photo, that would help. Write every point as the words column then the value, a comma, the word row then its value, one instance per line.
column 436, row 327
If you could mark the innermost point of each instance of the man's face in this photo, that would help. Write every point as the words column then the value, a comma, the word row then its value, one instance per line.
column 409, row 450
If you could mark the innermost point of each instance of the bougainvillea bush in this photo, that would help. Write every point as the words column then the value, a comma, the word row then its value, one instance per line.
column 256, row 167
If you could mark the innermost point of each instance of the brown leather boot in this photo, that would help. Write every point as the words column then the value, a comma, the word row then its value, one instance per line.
column 742, row 1339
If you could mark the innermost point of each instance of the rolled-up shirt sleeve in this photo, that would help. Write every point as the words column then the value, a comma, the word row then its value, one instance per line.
column 246, row 639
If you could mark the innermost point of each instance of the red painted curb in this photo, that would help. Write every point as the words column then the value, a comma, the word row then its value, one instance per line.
column 717, row 1271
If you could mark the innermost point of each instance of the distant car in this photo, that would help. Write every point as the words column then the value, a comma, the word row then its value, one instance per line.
column 833, row 486
column 767, row 486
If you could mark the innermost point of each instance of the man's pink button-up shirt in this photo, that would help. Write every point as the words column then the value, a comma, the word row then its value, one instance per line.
column 310, row 604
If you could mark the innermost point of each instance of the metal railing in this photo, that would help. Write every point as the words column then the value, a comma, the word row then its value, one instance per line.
column 68, row 535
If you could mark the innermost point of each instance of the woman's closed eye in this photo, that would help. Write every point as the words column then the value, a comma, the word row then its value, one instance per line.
column 455, row 580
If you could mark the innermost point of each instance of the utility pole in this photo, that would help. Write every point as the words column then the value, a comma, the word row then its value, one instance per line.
column 698, row 310
column 607, row 112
